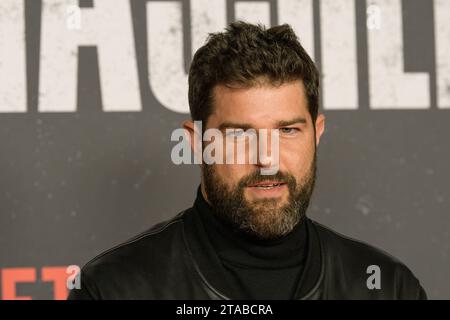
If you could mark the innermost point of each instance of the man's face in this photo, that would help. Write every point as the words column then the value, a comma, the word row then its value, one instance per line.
column 265, row 206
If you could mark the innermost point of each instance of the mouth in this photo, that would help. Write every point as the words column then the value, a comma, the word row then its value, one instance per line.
column 267, row 185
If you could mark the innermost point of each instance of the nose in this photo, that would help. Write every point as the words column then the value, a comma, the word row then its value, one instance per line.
column 268, row 151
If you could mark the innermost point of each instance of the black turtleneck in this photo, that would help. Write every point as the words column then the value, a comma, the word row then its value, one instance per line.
column 257, row 269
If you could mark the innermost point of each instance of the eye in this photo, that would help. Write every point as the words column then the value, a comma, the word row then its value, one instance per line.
column 236, row 133
column 288, row 130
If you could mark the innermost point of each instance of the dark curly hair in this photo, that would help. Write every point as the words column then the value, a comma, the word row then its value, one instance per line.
column 246, row 55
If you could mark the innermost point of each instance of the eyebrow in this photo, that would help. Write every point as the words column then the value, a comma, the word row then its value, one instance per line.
column 246, row 126
column 283, row 123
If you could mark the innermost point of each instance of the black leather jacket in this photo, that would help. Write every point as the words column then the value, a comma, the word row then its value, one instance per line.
column 166, row 262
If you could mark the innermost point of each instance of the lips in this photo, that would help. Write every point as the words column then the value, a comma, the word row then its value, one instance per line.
column 266, row 185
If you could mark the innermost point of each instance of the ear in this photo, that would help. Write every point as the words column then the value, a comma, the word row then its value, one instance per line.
column 320, row 127
column 194, row 134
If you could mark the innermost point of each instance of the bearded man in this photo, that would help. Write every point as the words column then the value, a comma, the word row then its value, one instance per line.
column 247, row 235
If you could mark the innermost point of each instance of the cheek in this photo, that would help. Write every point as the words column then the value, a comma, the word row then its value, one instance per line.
column 296, row 157
column 230, row 174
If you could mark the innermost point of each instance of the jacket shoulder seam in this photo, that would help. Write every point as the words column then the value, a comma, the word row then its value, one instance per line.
column 174, row 220
column 357, row 241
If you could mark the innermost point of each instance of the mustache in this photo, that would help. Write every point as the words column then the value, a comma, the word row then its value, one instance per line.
column 256, row 177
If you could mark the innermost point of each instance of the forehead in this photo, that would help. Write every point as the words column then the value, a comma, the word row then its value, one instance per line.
column 261, row 105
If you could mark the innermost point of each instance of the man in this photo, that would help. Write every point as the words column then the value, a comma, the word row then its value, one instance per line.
column 247, row 235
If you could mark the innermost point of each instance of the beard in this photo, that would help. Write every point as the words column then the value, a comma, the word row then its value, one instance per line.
column 261, row 219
